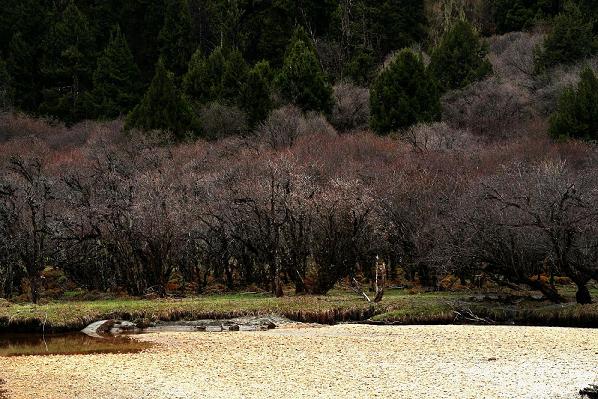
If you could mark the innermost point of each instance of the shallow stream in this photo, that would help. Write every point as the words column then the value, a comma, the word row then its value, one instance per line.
column 66, row 344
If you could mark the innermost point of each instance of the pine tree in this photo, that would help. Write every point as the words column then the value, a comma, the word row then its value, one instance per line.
column 301, row 80
column 22, row 64
column 175, row 37
column 220, row 77
column 203, row 80
column 570, row 40
column 403, row 94
column 234, row 77
column 577, row 113
column 256, row 98
column 400, row 23
column 6, row 87
column 116, row 80
column 68, row 64
column 460, row 58
column 162, row 107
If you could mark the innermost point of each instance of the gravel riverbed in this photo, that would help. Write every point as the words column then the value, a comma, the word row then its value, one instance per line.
column 344, row 361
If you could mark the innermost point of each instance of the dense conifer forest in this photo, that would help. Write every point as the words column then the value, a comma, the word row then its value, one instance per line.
column 154, row 146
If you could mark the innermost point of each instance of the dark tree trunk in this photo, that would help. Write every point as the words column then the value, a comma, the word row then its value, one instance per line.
column 549, row 292
column 582, row 295
column 299, row 286
column 278, row 286
column 229, row 277
column 34, row 285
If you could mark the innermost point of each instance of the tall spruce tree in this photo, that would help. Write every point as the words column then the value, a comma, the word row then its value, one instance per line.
column 577, row 113
column 116, row 80
column 23, row 66
column 256, row 97
column 403, row 94
column 570, row 39
column 220, row 77
column 301, row 80
column 203, row 80
column 6, row 87
column 460, row 58
column 162, row 107
column 175, row 37
column 68, row 64
column 234, row 77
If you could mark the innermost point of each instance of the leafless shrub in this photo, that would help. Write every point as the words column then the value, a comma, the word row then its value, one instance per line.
column 512, row 56
column 438, row 137
column 549, row 87
column 352, row 107
column 285, row 125
column 218, row 121
column 491, row 108
column 55, row 134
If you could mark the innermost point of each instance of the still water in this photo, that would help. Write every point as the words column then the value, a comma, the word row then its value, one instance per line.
column 66, row 344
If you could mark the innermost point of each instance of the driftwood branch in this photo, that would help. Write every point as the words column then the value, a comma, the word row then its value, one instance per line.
column 357, row 288
column 466, row 314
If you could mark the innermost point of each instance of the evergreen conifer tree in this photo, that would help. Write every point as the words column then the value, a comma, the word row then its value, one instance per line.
column 162, row 107
column 234, row 77
column 203, row 80
column 460, row 58
column 6, row 87
column 68, row 64
column 577, row 113
column 220, row 77
column 116, row 80
column 175, row 37
column 403, row 94
column 301, row 80
column 23, row 67
column 256, row 98
column 570, row 40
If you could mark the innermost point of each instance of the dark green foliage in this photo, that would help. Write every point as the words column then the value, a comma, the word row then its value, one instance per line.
column 577, row 113
column 219, row 77
column 403, row 94
column 256, row 98
column 175, row 37
column 460, row 58
column 570, row 40
column 360, row 68
column 6, row 87
column 23, row 66
column 162, row 107
column 197, row 82
column 380, row 27
column 234, row 77
column 116, row 80
column 514, row 15
column 399, row 23
column 68, row 64
column 301, row 80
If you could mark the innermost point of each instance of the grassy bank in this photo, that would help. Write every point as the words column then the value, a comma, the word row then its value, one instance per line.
column 398, row 307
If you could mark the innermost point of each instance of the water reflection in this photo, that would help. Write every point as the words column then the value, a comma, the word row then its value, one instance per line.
column 66, row 344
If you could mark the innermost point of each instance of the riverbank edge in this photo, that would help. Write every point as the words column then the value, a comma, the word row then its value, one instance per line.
column 569, row 315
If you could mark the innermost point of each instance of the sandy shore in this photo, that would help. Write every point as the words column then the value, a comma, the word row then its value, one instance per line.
column 347, row 361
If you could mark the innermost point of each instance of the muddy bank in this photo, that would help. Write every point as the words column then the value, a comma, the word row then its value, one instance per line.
column 38, row 324
column 330, row 362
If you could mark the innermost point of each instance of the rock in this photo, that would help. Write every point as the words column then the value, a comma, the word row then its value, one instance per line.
column 232, row 327
column 98, row 328
column 110, row 327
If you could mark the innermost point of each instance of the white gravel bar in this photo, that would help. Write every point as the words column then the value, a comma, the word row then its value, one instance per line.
column 344, row 361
